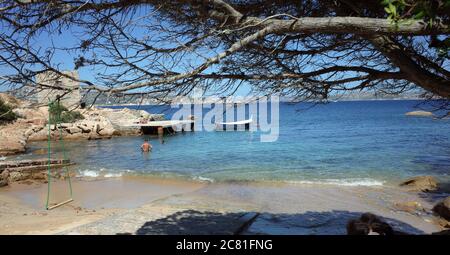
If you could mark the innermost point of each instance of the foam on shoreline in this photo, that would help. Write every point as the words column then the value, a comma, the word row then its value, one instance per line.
column 99, row 174
column 203, row 179
column 89, row 173
column 343, row 182
column 350, row 182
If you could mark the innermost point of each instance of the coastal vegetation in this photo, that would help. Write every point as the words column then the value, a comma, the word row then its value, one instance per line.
column 6, row 113
column 60, row 114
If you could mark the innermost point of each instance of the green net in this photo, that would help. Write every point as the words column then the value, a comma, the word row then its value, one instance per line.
column 55, row 118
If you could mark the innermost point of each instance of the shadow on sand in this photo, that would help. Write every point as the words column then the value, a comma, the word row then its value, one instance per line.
column 191, row 222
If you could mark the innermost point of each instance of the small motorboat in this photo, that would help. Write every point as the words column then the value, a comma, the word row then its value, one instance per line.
column 234, row 125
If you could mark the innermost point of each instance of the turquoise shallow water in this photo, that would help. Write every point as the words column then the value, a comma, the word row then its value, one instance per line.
column 344, row 143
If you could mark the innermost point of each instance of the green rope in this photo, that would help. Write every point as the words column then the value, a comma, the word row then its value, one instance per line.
column 49, row 176
column 61, row 143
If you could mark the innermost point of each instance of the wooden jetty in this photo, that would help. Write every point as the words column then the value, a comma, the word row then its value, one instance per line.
column 164, row 126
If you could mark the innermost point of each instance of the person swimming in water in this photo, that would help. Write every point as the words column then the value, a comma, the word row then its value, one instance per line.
column 146, row 146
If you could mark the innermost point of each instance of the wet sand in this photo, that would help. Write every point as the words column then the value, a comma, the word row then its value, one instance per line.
column 22, row 206
column 91, row 193
column 124, row 205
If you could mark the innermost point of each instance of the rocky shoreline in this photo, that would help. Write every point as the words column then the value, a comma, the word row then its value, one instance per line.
column 428, row 186
column 31, row 125
column 97, row 123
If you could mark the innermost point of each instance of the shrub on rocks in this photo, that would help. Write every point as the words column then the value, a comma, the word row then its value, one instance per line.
column 6, row 113
column 70, row 117
column 18, row 176
column 65, row 116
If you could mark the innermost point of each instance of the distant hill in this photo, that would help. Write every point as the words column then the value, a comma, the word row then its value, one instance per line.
column 125, row 99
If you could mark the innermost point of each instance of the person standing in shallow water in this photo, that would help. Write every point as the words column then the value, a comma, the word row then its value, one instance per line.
column 146, row 146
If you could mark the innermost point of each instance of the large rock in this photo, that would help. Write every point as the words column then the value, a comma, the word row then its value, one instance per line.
column 93, row 127
column 32, row 130
column 420, row 114
column 369, row 223
column 37, row 121
column 40, row 135
column 106, row 132
column 76, row 136
column 85, row 127
column 4, row 178
column 3, row 182
column 442, row 233
column 442, row 222
column 421, row 183
column 66, row 125
column 29, row 132
column 412, row 207
column 357, row 227
column 25, row 113
column 118, row 120
column 12, row 137
column 443, row 209
column 4, row 175
column 11, row 145
column 73, row 130
column 121, row 119
column 94, row 136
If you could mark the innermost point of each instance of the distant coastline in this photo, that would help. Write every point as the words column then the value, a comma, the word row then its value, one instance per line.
column 282, row 101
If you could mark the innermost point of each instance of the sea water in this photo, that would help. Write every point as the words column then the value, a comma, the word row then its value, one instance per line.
column 341, row 143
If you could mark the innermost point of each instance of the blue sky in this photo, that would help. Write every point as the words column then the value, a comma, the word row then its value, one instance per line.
column 64, row 59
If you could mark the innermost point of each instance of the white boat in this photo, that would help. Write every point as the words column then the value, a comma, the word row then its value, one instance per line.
column 235, row 125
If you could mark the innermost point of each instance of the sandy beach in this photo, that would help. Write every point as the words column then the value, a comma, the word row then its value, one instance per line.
column 144, row 205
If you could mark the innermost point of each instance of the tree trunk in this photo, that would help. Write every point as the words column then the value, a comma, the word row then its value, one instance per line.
column 413, row 72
